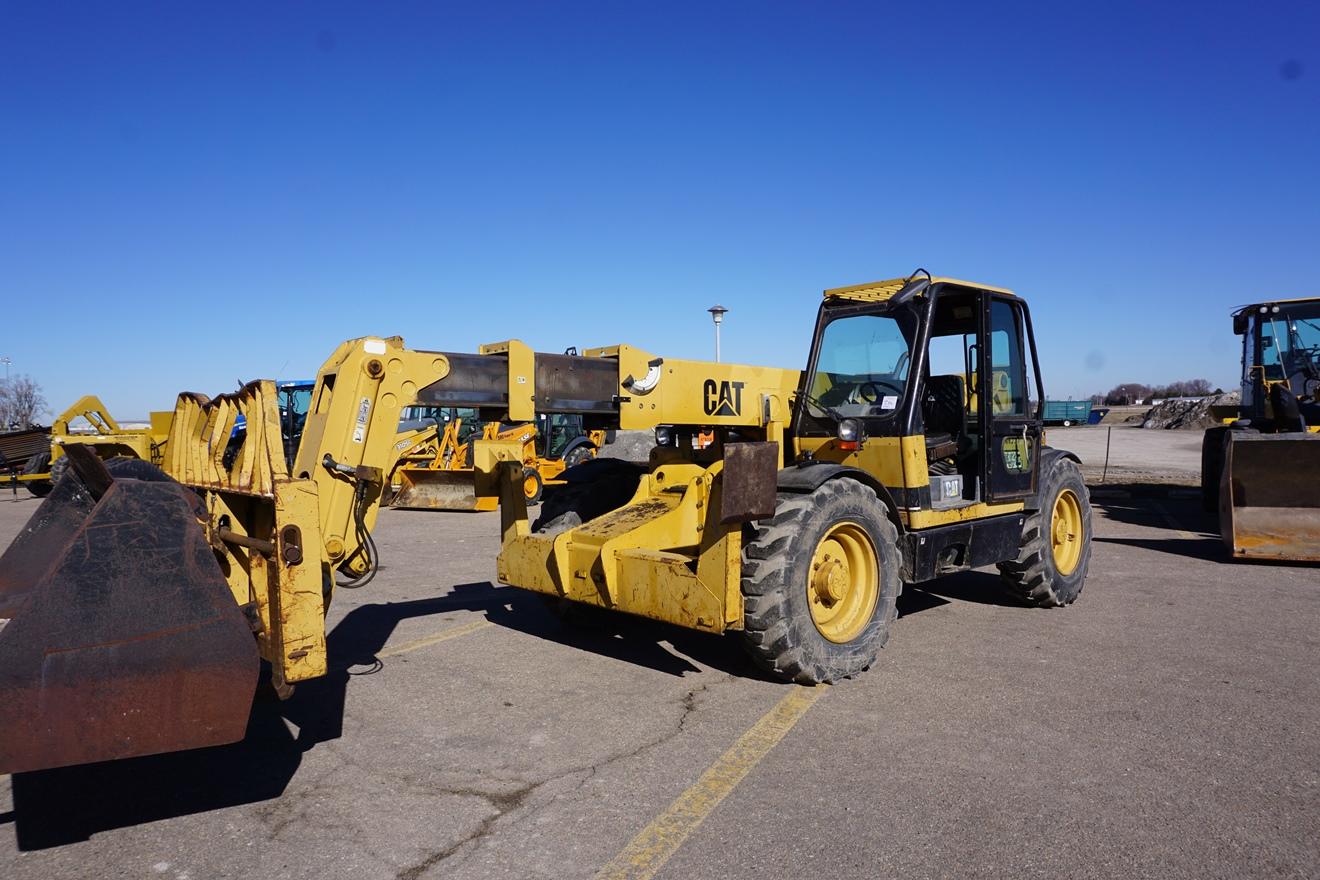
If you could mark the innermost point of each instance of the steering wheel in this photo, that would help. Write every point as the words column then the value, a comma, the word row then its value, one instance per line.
column 874, row 387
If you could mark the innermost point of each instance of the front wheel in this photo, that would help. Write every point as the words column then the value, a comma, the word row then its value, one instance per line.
column 533, row 485
column 38, row 464
column 820, row 583
column 1055, row 548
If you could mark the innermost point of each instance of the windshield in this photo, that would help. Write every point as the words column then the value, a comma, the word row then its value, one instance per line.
column 1290, row 341
column 861, row 369
column 295, row 401
column 556, row 432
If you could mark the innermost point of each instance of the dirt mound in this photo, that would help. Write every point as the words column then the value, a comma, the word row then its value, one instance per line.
column 1188, row 414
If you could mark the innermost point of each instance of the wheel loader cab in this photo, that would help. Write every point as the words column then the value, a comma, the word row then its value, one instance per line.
column 1280, row 354
column 908, row 376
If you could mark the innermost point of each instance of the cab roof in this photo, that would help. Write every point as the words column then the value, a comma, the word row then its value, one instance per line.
column 1264, row 302
column 880, row 291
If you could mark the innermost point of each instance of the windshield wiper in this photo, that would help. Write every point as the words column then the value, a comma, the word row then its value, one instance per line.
column 828, row 410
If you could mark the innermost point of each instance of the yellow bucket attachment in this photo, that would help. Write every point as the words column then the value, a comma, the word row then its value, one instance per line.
column 118, row 633
column 430, row 489
column 1269, row 497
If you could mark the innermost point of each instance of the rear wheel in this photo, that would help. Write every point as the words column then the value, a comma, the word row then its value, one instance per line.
column 820, row 583
column 533, row 485
column 38, row 464
column 1055, row 548
column 58, row 469
column 578, row 455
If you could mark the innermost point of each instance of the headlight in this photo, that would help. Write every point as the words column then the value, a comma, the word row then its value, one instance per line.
column 849, row 431
column 664, row 435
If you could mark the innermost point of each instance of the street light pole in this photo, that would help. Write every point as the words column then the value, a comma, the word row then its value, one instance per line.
column 6, row 361
column 717, row 315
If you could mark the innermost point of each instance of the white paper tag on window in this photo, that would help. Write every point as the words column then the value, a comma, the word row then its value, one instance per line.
column 889, row 401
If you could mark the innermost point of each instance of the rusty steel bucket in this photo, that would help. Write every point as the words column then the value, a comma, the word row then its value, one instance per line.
column 1269, row 496
column 119, row 636
column 432, row 489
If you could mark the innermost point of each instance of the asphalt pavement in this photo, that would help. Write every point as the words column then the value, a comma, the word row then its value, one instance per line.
column 1163, row 726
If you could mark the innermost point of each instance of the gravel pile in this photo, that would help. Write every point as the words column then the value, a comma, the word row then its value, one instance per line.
column 1188, row 415
column 630, row 446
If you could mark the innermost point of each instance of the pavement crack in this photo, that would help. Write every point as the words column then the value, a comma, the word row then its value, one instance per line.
column 502, row 804
column 508, row 803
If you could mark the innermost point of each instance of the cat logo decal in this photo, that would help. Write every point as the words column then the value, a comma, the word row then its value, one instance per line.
column 723, row 398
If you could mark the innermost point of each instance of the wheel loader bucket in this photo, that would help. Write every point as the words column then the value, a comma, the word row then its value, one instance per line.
column 431, row 489
column 1269, row 498
column 118, row 633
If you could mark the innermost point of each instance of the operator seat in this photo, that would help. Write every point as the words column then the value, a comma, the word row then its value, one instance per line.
column 944, row 415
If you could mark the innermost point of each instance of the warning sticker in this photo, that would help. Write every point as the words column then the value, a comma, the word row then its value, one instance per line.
column 889, row 401
column 360, row 429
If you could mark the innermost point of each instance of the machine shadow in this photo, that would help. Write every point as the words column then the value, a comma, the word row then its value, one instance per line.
column 662, row 647
column 1207, row 549
column 69, row 804
column 1150, row 506
column 980, row 587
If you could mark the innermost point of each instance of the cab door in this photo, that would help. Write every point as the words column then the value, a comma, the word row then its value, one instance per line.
column 1011, row 453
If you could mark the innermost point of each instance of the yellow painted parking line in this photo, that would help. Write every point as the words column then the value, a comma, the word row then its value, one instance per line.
column 443, row 636
column 647, row 853
column 1174, row 524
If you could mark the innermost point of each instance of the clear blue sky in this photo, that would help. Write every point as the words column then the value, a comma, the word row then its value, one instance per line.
column 190, row 198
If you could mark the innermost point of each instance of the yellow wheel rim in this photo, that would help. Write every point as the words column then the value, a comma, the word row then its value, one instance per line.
column 843, row 583
column 530, row 485
column 1066, row 532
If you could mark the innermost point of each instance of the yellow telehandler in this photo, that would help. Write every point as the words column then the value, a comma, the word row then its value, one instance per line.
column 1260, row 470
column 139, row 601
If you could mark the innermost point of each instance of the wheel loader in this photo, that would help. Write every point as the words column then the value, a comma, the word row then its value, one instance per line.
column 1260, row 470
column 140, row 603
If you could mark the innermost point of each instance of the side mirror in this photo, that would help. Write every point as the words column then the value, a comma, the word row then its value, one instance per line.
column 911, row 288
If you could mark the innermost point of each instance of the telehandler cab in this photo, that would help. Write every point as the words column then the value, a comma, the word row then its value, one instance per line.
column 137, row 603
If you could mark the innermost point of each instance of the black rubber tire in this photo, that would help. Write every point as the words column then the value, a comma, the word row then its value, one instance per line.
column 593, row 489
column 38, row 464
column 1033, row 577
column 58, row 469
column 778, row 629
column 121, row 467
column 579, row 455
column 533, row 474
column 126, row 467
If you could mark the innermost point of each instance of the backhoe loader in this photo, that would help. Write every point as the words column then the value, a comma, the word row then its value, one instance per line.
column 1260, row 470
column 435, row 471
column 139, row 604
